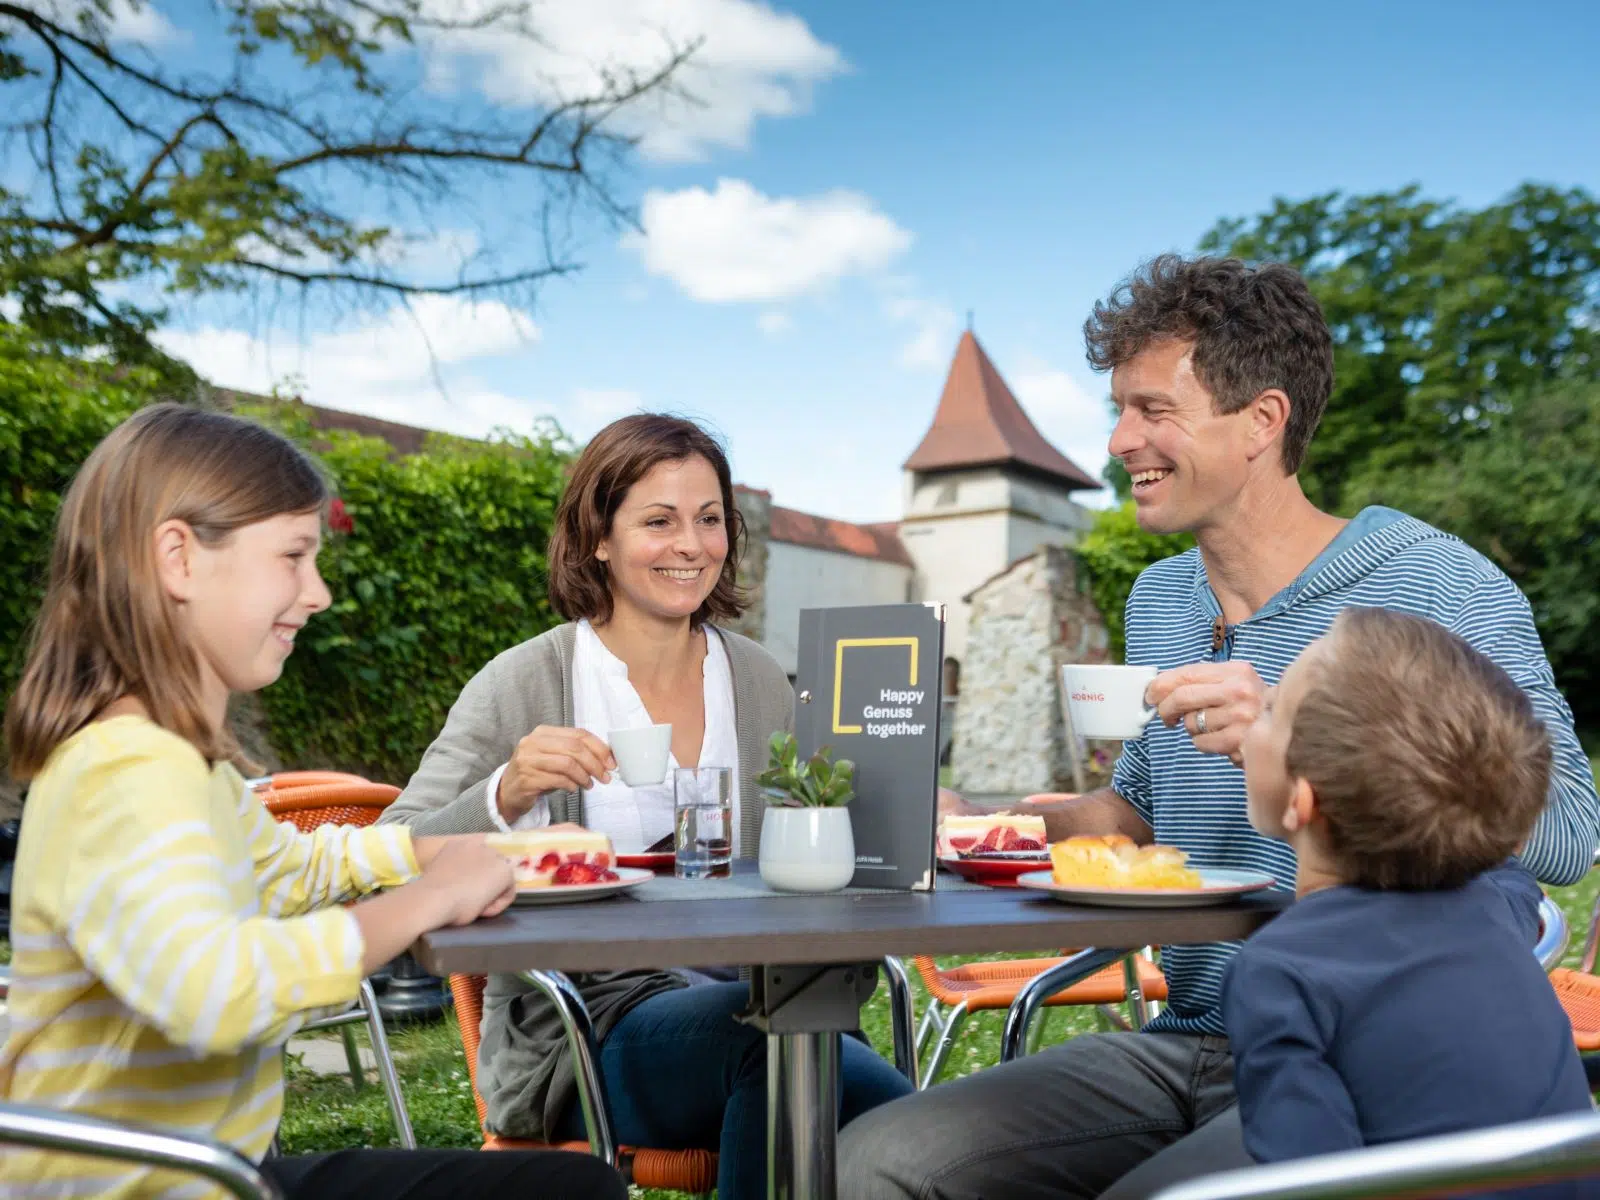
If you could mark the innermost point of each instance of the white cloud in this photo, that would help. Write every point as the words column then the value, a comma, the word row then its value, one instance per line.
column 736, row 244
column 773, row 323
column 386, row 366
column 129, row 22
column 1076, row 420
column 933, row 324
column 749, row 62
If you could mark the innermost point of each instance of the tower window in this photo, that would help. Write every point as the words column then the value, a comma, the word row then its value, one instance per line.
column 947, row 494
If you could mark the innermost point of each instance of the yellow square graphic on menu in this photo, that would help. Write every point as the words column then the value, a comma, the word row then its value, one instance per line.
column 838, row 671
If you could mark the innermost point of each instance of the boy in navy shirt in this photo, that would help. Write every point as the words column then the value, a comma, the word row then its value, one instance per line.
column 1398, row 998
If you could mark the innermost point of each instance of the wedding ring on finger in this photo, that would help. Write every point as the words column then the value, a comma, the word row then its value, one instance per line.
column 1200, row 723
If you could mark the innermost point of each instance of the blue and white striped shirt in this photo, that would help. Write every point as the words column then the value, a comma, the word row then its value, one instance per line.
column 1382, row 559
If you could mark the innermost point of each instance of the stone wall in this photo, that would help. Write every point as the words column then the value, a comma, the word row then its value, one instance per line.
column 1026, row 621
column 755, row 507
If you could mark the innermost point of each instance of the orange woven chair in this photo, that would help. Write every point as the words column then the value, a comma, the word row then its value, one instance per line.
column 692, row 1171
column 1579, row 990
column 346, row 800
column 955, row 993
column 291, row 779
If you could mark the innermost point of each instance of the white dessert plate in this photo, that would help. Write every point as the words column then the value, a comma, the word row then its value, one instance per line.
column 1216, row 887
column 572, row 893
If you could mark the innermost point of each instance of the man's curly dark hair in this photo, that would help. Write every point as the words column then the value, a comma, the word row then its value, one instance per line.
column 1253, row 328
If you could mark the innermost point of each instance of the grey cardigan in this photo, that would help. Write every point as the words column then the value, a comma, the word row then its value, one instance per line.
column 524, row 1071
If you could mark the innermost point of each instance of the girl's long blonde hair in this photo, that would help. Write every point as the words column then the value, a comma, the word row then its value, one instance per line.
column 108, row 628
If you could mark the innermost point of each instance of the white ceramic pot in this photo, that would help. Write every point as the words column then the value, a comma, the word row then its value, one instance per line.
column 807, row 849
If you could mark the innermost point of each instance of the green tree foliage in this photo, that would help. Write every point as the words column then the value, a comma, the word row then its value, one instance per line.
column 1528, row 496
column 270, row 166
column 1441, row 315
column 1115, row 550
column 1467, row 358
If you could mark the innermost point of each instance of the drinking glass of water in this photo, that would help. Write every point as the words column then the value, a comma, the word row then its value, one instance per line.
column 702, row 799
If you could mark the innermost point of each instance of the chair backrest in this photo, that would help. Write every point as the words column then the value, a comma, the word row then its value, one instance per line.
column 1529, row 1152
column 74, row 1133
column 292, row 779
column 346, row 803
column 468, row 993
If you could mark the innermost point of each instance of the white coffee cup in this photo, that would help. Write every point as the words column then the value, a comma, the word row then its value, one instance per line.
column 642, row 754
column 1107, row 702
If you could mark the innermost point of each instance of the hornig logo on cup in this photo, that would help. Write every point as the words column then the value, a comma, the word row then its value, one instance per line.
column 1108, row 702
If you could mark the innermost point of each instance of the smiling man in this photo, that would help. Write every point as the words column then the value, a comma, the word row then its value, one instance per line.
column 1220, row 375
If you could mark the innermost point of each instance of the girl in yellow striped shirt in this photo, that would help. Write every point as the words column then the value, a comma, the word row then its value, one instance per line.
column 167, row 935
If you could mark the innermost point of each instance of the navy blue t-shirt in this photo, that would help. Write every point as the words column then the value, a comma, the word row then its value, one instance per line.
column 1363, row 1017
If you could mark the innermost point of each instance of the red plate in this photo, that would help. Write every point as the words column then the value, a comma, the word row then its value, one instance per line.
column 996, row 872
column 660, row 860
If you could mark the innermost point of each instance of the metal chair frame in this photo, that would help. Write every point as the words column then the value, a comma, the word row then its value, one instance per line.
column 941, row 1023
column 1548, row 1149
column 326, row 789
column 71, row 1133
column 1555, row 935
column 584, row 1046
column 366, row 1010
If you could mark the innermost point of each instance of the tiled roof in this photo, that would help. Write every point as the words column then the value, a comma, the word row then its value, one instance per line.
column 979, row 423
column 406, row 439
column 880, row 541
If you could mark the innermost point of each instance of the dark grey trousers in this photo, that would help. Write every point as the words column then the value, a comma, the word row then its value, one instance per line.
column 1113, row 1115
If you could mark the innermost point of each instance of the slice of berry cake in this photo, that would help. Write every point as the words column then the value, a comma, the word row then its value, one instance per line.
column 557, row 857
column 964, row 837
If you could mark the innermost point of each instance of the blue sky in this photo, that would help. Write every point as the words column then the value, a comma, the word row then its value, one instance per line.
column 860, row 175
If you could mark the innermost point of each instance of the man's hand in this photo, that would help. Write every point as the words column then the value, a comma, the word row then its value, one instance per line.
column 952, row 805
column 1215, row 702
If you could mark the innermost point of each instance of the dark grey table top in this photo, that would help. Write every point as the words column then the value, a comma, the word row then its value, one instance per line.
column 622, row 932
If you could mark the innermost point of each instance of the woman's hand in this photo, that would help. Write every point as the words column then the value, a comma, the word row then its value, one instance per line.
column 552, row 759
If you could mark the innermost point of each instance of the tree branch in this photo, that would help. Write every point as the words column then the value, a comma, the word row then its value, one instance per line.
column 399, row 287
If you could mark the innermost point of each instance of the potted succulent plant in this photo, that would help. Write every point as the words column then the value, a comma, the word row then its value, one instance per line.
column 806, row 842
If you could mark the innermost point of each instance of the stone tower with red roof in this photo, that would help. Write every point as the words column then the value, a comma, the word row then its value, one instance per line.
column 983, row 489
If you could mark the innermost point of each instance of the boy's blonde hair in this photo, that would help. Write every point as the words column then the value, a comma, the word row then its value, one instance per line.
column 107, row 628
column 1428, row 762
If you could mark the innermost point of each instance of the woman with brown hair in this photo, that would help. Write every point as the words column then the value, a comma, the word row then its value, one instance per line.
column 643, row 560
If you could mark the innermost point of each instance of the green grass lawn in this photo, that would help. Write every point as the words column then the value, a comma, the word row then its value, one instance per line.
column 324, row 1113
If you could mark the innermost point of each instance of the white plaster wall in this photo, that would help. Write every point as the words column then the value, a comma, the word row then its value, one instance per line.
column 1027, row 534
column 954, row 554
column 962, row 527
column 951, row 492
column 804, row 577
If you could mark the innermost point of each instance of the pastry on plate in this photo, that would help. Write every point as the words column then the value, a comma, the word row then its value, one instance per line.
column 543, row 858
column 964, row 837
column 1114, row 861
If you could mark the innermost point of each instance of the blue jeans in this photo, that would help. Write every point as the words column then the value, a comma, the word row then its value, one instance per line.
column 681, row 1074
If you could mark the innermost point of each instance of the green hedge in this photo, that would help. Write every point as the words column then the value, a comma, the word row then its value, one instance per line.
column 1115, row 550
column 53, row 410
column 444, row 569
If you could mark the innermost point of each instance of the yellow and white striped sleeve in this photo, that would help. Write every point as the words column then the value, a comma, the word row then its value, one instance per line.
column 299, row 872
column 159, row 903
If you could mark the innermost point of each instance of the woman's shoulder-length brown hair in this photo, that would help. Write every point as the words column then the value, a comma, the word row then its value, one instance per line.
column 620, row 455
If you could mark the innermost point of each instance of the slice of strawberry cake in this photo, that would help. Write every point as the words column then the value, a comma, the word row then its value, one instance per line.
column 556, row 857
column 964, row 837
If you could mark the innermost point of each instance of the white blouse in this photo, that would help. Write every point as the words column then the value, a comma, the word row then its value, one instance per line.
column 602, row 700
